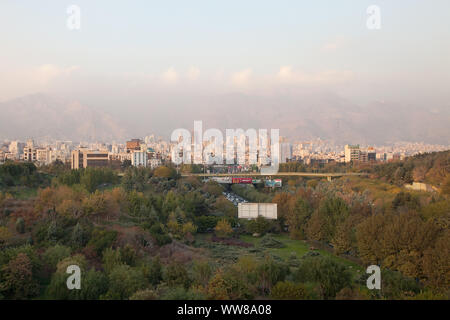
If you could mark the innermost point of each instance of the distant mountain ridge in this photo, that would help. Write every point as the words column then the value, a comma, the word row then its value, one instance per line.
column 41, row 115
column 307, row 115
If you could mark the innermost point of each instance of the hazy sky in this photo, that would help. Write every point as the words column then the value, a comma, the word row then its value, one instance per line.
column 210, row 46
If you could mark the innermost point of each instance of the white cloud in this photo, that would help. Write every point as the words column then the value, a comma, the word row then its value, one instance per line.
column 170, row 76
column 335, row 44
column 241, row 78
column 193, row 73
column 46, row 73
column 286, row 75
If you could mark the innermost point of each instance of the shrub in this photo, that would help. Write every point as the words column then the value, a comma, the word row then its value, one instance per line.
column 259, row 225
column 286, row 290
column 146, row 294
column 17, row 278
column 55, row 254
column 330, row 275
column 20, row 225
column 102, row 239
column 223, row 228
column 176, row 275
column 270, row 242
column 124, row 281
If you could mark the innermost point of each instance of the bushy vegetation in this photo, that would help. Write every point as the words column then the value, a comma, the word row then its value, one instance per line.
column 154, row 235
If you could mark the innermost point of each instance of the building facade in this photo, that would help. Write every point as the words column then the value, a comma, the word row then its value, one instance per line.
column 139, row 159
column 352, row 153
column 83, row 158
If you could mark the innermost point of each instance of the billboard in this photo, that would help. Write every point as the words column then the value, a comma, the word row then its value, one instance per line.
column 222, row 179
column 275, row 183
column 254, row 210
column 242, row 180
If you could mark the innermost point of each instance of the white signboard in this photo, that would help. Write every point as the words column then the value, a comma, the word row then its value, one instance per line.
column 254, row 210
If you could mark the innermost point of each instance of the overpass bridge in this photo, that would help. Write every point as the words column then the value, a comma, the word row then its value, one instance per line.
column 328, row 175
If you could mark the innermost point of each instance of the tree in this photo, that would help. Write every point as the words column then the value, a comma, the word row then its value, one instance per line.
column 322, row 225
column 93, row 285
column 368, row 238
column 17, row 278
column 223, row 228
column 20, row 225
column 218, row 288
column 55, row 254
column 5, row 235
column 285, row 290
column 155, row 274
column 285, row 205
column 146, row 294
column 260, row 225
column 164, row 172
column 297, row 219
column 343, row 237
column 330, row 275
column 269, row 273
column 177, row 275
column 202, row 272
column 111, row 259
column 446, row 186
column 436, row 261
column 79, row 236
column 124, row 281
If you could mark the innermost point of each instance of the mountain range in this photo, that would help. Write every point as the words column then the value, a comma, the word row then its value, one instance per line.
column 303, row 116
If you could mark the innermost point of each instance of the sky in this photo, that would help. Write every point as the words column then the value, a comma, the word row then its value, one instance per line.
column 168, row 47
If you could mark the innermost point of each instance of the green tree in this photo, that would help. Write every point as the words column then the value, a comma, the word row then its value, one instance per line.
column 286, row 290
column 20, row 225
column 298, row 218
column 177, row 275
column 331, row 276
column 260, row 225
column 124, row 281
column 55, row 254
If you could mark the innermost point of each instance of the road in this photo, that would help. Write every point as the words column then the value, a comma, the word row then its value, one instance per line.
column 234, row 198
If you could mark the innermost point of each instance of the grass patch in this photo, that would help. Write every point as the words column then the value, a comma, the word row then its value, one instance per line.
column 300, row 248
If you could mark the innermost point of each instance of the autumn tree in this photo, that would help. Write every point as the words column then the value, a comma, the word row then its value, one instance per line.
column 17, row 278
column 297, row 219
column 223, row 228
column 218, row 288
column 285, row 205
column 164, row 172
column 5, row 235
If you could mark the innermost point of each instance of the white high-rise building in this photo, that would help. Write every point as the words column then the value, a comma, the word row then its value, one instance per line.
column 139, row 159
column 352, row 153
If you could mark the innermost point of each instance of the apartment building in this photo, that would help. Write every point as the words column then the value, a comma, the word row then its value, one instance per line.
column 139, row 159
column 83, row 158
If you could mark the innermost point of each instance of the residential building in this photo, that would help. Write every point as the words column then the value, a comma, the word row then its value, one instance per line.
column 139, row 159
column 133, row 145
column 83, row 158
column 352, row 153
